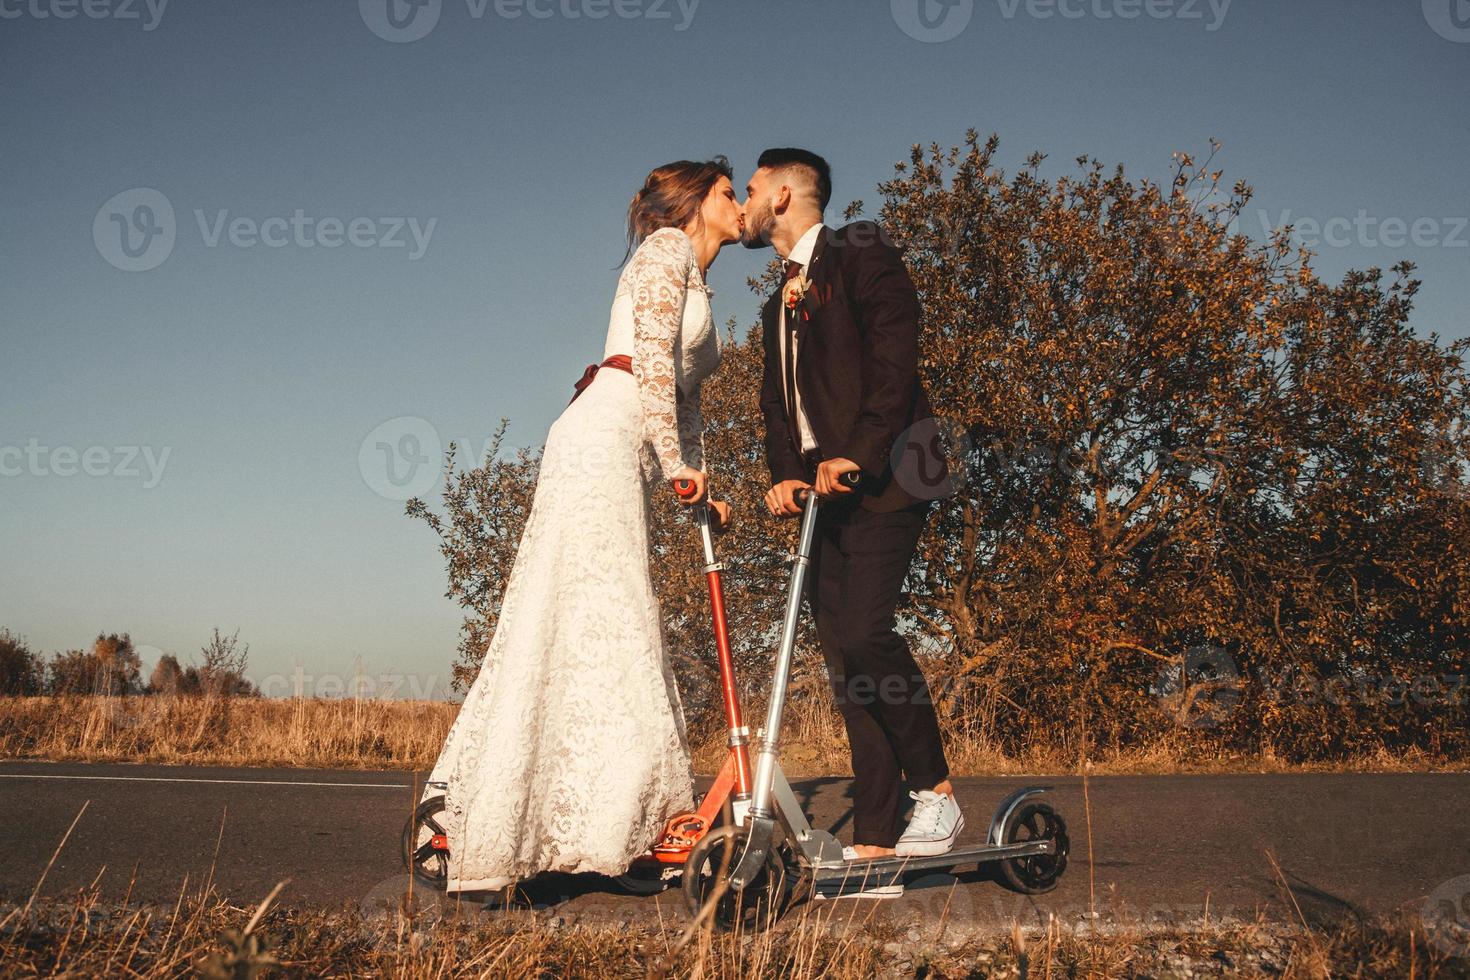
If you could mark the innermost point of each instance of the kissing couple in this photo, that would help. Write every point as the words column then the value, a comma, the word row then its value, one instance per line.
column 570, row 751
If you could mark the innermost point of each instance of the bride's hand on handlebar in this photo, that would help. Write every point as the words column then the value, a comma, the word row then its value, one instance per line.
column 701, row 485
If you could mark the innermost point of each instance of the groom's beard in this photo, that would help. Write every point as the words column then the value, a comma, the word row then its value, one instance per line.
column 758, row 227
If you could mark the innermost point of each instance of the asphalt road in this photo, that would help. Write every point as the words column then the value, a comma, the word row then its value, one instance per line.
column 1163, row 848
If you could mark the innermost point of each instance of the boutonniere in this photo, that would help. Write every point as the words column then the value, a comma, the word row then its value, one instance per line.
column 794, row 292
column 815, row 298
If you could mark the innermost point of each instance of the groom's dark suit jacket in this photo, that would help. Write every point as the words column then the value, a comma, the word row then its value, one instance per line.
column 857, row 370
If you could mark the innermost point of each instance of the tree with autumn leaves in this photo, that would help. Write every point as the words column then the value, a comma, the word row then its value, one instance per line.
column 1197, row 493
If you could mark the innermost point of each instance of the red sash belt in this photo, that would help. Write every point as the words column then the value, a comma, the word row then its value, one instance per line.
column 620, row 361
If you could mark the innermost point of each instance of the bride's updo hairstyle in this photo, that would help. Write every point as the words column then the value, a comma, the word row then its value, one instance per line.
column 671, row 197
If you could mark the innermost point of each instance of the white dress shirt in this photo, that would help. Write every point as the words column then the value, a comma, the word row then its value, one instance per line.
column 800, row 252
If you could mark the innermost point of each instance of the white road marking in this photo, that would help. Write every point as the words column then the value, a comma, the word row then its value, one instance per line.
column 180, row 779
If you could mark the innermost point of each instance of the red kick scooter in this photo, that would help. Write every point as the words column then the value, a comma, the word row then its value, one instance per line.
column 653, row 871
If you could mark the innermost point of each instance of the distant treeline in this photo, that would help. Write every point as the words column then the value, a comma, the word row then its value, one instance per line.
column 111, row 666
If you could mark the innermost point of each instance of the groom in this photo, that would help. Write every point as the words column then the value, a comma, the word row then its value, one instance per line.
column 841, row 388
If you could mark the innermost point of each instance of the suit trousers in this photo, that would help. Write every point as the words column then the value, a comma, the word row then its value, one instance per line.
column 859, row 562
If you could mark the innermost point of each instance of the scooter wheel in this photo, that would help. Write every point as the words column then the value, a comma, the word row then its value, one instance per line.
column 644, row 879
column 425, row 853
column 1035, row 873
column 706, row 880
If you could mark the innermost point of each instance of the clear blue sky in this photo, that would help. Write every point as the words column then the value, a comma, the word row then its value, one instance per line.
column 260, row 370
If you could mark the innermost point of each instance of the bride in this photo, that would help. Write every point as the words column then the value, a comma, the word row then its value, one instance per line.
column 570, row 751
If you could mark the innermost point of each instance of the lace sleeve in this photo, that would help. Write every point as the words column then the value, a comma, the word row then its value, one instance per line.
column 657, row 281
column 691, row 429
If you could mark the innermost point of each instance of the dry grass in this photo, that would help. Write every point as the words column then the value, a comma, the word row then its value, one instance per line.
column 814, row 743
column 313, row 732
column 377, row 734
column 422, row 934
column 203, row 935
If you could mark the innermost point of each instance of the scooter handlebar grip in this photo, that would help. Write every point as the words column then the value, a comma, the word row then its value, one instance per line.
column 685, row 488
column 853, row 479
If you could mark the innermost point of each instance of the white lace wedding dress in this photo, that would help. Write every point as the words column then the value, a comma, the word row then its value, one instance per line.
column 570, row 751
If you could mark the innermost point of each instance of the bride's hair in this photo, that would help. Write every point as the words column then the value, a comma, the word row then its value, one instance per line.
column 671, row 196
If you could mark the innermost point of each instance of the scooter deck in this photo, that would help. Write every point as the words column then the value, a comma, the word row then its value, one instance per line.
column 885, row 870
column 821, row 852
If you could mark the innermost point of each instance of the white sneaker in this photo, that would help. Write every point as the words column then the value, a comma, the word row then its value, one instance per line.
column 934, row 828
column 894, row 890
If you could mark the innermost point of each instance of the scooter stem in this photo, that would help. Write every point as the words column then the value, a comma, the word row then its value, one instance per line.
column 761, row 819
column 767, row 751
column 738, row 733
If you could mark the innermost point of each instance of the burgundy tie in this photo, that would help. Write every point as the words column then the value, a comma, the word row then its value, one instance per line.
column 793, row 269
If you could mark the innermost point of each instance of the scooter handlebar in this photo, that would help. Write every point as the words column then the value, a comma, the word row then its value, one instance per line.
column 853, row 479
column 684, row 488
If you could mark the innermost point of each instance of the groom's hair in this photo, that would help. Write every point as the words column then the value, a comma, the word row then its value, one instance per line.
column 813, row 166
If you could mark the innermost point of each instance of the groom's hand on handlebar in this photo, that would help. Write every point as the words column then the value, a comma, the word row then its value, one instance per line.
column 829, row 477
column 781, row 499
column 721, row 513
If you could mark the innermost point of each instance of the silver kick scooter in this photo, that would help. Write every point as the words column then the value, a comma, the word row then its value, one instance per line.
column 746, row 869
